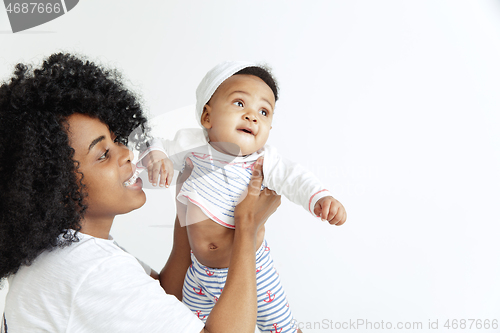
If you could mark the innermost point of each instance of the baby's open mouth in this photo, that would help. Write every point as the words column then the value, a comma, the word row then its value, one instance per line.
column 246, row 130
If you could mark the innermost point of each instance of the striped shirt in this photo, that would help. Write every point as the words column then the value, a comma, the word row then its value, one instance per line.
column 217, row 183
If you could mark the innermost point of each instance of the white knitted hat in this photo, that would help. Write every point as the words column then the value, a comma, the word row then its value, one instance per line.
column 213, row 79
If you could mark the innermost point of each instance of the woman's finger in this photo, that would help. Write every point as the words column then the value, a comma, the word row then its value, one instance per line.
column 273, row 199
column 257, row 177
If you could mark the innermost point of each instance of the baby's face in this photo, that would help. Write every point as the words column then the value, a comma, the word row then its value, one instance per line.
column 240, row 112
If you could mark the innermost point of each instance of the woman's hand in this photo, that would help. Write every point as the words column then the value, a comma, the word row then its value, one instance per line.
column 236, row 309
column 257, row 205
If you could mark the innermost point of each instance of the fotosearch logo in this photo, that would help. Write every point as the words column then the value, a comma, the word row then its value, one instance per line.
column 28, row 14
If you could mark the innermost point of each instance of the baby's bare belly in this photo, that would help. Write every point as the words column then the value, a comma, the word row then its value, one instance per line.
column 212, row 243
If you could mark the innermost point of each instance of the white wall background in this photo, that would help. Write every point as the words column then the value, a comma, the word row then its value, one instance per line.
column 394, row 104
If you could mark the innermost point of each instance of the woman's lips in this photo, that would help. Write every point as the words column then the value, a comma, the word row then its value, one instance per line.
column 132, row 180
column 137, row 185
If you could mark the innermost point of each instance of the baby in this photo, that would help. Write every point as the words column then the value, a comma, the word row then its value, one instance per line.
column 235, row 107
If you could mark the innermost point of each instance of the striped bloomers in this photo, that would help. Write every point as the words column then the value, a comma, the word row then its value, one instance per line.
column 203, row 287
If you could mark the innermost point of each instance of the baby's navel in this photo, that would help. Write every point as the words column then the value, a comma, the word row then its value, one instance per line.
column 212, row 246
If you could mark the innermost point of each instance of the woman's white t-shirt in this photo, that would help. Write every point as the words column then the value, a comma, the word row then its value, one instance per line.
column 91, row 286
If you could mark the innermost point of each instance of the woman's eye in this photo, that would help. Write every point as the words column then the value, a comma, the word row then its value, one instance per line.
column 104, row 156
column 238, row 103
column 263, row 112
column 119, row 143
column 115, row 138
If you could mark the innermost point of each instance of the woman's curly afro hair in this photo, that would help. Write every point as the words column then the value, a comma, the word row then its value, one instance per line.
column 41, row 194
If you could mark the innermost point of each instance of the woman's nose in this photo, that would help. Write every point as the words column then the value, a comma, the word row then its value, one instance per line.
column 126, row 155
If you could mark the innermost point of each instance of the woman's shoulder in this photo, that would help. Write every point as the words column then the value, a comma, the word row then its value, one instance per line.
column 82, row 286
column 53, row 279
column 69, row 264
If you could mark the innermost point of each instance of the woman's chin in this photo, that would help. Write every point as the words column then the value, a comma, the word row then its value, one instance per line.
column 142, row 201
column 139, row 198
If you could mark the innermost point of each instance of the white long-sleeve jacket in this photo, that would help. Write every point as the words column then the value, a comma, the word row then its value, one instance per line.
column 280, row 174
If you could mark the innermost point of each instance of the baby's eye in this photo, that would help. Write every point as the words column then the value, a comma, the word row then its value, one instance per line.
column 264, row 113
column 238, row 103
column 104, row 156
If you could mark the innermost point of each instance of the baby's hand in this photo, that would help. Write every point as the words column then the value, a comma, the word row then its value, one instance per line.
column 328, row 208
column 158, row 164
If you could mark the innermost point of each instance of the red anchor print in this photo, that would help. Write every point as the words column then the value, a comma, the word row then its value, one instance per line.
column 202, row 156
column 247, row 165
column 287, row 305
column 258, row 269
column 209, row 273
column 270, row 299
column 199, row 292
column 275, row 326
column 215, row 298
column 267, row 248
column 199, row 313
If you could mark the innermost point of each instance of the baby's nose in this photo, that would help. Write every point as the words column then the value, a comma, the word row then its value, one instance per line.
column 251, row 117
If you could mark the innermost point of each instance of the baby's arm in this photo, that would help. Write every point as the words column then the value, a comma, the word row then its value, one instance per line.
column 155, row 160
column 331, row 210
column 159, row 165
column 301, row 187
column 164, row 156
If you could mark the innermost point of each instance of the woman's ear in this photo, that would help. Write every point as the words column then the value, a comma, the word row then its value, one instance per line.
column 205, row 117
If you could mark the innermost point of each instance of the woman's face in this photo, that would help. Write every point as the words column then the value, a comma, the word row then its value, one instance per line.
column 106, row 166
